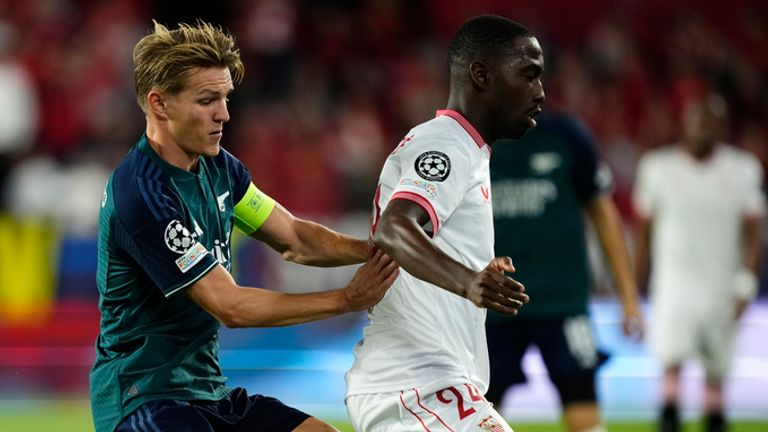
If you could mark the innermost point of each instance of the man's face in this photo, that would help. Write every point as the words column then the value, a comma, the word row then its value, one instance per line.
column 518, row 94
column 197, row 114
column 701, row 126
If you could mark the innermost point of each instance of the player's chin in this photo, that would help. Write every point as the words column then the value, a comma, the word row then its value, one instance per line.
column 519, row 129
column 213, row 147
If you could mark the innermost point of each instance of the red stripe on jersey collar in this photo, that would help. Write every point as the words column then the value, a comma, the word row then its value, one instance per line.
column 465, row 124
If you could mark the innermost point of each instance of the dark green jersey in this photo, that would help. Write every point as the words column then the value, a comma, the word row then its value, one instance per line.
column 540, row 184
column 160, row 230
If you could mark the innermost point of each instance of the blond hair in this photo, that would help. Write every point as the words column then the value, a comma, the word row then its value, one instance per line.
column 163, row 58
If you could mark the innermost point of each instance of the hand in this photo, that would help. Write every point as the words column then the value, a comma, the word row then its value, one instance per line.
column 371, row 281
column 492, row 289
column 632, row 325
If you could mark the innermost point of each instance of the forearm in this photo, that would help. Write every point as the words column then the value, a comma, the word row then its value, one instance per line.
column 753, row 243
column 320, row 246
column 607, row 223
column 256, row 307
column 642, row 231
column 405, row 241
column 236, row 306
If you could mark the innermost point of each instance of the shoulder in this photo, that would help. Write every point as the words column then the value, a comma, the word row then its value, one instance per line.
column 565, row 124
column 141, row 186
column 743, row 162
column 660, row 155
column 740, row 155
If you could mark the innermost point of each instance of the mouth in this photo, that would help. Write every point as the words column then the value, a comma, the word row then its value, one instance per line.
column 216, row 133
column 532, row 116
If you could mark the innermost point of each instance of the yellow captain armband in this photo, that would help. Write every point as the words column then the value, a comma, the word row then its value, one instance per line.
column 252, row 210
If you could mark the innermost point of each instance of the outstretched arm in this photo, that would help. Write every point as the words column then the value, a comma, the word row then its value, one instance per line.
column 400, row 235
column 309, row 243
column 237, row 306
column 607, row 222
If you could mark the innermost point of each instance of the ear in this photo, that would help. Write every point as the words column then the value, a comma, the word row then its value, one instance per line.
column 480, row 74
column 157, row 104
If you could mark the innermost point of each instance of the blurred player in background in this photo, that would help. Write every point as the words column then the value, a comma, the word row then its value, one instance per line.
column 543, row 183
column 423, row 362
column 699, row 211
column 164, row 255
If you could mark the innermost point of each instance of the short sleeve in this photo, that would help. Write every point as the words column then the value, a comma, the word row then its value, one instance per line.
column 150, row 226
column 754, row 203
column 435, row 173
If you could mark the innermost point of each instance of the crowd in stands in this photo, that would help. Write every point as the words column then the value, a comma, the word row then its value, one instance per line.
column 331, row 86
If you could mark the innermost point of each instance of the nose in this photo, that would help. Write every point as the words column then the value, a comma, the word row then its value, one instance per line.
column 222, row 112
column 539, row 95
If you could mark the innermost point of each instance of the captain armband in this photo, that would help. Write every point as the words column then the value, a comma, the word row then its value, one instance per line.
column 745, row 284
column 252, row 210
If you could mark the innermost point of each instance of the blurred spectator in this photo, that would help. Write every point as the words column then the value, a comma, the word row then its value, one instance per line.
column 330, row 83
column 19, row 119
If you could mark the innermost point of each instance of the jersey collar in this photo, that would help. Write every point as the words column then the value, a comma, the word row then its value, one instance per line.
column 464, row 124
column 176, row 172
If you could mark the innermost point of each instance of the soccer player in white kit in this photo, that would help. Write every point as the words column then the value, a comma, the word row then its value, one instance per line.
column 422, row 364
column 700, row 207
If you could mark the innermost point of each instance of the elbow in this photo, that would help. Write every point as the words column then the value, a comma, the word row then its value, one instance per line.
column 382, row 241
column 231, row 319
column 229, row 313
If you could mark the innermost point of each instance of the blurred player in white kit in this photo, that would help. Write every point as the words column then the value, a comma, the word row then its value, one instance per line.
column 700, row 207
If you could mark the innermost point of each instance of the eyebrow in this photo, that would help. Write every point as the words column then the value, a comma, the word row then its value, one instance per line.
column 209, row 92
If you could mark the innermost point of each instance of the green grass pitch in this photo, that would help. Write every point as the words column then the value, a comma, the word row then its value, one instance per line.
column 74, row 416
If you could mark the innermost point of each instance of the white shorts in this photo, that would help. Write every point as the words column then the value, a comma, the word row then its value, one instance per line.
column 457, row 408
column 675, row 336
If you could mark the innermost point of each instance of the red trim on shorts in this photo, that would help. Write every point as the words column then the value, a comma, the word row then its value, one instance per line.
column 418, row 400
column 414, row 414
column 424, row 203
column 465, row 124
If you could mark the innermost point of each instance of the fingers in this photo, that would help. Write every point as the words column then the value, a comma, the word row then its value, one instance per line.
column 502, row 264
column 498, row 291
column 501, row 303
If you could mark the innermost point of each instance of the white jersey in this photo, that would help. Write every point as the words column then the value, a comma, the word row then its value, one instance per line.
column 697, row 210
column 420, row 334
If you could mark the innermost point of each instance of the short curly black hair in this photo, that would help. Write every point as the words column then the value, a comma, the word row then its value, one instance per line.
column 485, row 37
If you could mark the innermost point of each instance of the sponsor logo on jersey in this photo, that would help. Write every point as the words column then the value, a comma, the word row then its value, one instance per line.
column 545, row 163
column 486, row 191
column 191, row 257
column 429, row 188
column 433, row 166
column 491, row 424
column 177, row 237
column 523, row 198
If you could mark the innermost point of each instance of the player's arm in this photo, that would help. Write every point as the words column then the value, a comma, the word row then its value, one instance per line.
column 400, row 235
column 237, row 306
column 306, row 242
column 745, row 281
column 643, row 229
column 607, row 222
column 297, row 240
